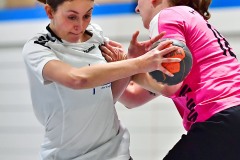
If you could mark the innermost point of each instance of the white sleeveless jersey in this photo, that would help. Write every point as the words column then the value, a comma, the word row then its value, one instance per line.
column 79, row 124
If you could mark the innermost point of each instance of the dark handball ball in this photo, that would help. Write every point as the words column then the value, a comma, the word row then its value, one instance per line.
column 179, row 69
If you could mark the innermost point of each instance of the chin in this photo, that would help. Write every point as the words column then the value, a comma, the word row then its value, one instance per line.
column 146, row 26
column 73, row 40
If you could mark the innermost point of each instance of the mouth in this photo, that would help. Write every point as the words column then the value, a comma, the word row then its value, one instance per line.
column 75, row 34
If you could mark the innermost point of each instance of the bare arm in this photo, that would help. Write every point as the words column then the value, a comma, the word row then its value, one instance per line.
column 146, row 81
column 92, row 76
column 118, row 88
column 135, row 95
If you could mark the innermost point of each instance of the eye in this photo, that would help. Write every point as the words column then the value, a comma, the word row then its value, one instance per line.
column 72, row 17
column 87, row 16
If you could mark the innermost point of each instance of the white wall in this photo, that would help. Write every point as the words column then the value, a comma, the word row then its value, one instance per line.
column 154, row 127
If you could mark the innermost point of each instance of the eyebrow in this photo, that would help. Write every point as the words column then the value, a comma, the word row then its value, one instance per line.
column 78, row 13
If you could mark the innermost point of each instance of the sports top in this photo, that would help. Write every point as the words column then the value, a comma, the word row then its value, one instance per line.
column 79, row 124
column 214, row 80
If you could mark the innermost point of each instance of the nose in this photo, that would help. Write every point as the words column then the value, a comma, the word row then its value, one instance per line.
column 137, row 10
column 78, row 27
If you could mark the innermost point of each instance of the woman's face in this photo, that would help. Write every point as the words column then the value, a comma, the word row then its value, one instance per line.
column 71, row 19
column 145, row 9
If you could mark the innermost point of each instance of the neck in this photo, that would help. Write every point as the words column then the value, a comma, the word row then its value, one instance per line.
column 160, row 5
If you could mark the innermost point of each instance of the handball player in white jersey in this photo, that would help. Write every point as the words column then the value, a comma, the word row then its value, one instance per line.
column 74, row 89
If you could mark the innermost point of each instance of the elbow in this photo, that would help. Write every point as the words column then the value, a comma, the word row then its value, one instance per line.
column 169, row 91
column 131, row 103
column 167, row 94
column 76, row 82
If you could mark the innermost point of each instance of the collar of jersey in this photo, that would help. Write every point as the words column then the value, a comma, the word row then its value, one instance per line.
column 58, row 38
column 53, row 34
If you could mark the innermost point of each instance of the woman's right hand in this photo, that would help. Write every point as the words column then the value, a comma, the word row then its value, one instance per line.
column 154, row 58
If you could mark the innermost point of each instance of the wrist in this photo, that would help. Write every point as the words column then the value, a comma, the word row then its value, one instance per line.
column 128, row 56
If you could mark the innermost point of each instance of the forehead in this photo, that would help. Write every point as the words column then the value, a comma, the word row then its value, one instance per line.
column 78, row 5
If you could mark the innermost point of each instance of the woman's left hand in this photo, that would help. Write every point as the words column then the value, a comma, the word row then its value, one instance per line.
column 137, row 48
column 113, row 51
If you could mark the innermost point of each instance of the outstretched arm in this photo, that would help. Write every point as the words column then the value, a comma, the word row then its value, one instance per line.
column 135, row 96
column 99, row 74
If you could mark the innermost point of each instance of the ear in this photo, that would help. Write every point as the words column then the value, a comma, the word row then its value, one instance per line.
column 49, row 11
column 156, row 2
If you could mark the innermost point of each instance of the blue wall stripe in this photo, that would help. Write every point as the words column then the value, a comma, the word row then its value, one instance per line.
column 225, row 3
column 22, row 13
column 38, row 12
column 117, row 8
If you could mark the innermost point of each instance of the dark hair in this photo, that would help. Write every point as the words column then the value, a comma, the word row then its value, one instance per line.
column 201, row 6
column 53, row 3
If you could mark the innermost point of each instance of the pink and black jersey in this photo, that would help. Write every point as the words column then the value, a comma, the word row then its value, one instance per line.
column 213, row 83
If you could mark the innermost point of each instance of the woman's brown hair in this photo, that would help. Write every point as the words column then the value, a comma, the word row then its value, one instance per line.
column 42, row 1
column 201, row 6
column 53, row 3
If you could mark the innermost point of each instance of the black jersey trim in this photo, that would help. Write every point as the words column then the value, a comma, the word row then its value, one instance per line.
column 53, row 34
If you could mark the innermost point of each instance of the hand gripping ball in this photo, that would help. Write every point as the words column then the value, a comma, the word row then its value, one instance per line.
column 179, row 69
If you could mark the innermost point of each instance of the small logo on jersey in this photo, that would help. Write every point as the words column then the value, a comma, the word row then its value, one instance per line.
column 89, row 49
column 192, row 11
column 106, row 86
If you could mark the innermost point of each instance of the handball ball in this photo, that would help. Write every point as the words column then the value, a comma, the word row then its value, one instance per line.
column 179, row 69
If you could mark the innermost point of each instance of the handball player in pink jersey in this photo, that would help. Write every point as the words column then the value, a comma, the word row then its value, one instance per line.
column 208, row 99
